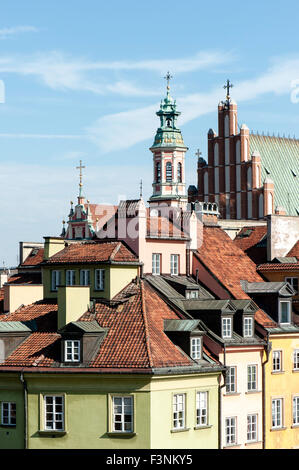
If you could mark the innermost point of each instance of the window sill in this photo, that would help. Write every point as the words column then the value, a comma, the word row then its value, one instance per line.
column 295, row 426
column 278, row 429
column 250, row 392
column 203, row 426
column 228, row 394
column 52, row 433
column 179, row 430
column 229, row 446
column 121, row 434
column 252, row 443
column 8, row 426
column 277, row 372
column 295, row 370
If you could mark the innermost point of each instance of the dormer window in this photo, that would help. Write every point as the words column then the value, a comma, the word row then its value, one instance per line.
column 284, row 311
column 72, row 350
column 248, row 327
column 192, row 294
column 226, row 327
column 195, row 347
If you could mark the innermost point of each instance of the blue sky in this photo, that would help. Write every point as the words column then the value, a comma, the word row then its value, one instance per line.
column 83, row 81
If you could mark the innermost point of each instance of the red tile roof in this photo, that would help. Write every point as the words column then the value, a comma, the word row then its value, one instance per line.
column 43, row 312
column 163, row 227
column 1, row 300
column 34, row 258
column 278, row 267
column 294, row 251
column 248, row 239
column 25, row 278
column 229, row 264
column 39, row 349
column 88, row 252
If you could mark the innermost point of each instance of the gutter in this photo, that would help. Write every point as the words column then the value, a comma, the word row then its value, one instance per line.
column 268, row 349
column 220, row 399
column 24, row 383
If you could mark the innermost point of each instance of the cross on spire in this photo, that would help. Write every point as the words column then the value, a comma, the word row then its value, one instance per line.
column 198, row 153
column 140, row 189
column 168, row 77
column 80, row 167
column 227, row 87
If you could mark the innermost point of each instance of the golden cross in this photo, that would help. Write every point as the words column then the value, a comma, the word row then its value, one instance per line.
column 227, row 87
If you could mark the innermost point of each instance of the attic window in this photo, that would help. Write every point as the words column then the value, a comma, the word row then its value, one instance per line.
column 195, row 346
column 248, row 327
column 294, row 174
column 226, row 327
column 284, row 311
column 192, row 294
column 246, row 233
column 72, row 351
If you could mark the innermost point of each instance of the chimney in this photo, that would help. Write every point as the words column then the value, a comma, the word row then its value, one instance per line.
column 207, row 212
column 52, row 246
column 73, row 301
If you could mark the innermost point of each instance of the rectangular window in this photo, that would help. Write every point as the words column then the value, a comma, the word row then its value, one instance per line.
column 192, row 294
column 56, row 280
column 230, row 431
column 277, row 413
column 196, row 348
column 54, row 412
column 202, row 408
column 99, row 279
column 285, row 311
column 226, row 327
column 248, row 327
column 231, row 380
column 156, row 258
column 251, row 428
column 293, row 281
column 70, row 277
column 122, row 414
column 252, row 378
column 72, row 351
column 276, row 361
column 296, row 410
column 84, row 277
column 8, row 414
column 296, row 359
column 174, row 264
column 179, row 411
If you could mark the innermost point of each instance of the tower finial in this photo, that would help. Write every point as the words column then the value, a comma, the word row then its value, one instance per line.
column 140, row 189
column 227, row 87
column 168, row 77
column 198, row 154
column 80, row 174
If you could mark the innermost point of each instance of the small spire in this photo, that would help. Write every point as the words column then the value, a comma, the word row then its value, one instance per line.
column 80, row 167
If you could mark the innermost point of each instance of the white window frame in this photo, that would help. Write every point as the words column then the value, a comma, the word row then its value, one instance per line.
column 72, row 350
column 291, row 280
column 231, row 431
column 252, row 429
column 51, row 409
column 121, row 412
column 277, row 419
column 226, row 327
column 11, row 414
column 70, row 277
column 202, row 408
column 296, row 359
column 276, row 361
column 179, row 411
column 296, row 411
column 55, row 280
column 85, row 277
column 174, row 264
column 231, row 386
column 195, row 347
column 192, row 294
column 248, row 327
column 250, row 381
column 99, row 279
column 289, row 311
column 156, row 264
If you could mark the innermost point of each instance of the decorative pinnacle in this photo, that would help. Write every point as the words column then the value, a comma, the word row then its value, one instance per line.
column 80, row 174
column 227, row 87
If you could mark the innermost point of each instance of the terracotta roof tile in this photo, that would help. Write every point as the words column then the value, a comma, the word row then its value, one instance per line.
column 278, row 267
column 86, row 252
column 25, row 278
column 295, row 250
column 43, row 312
column 248, row 240
column 39, row 349
column 34, row 258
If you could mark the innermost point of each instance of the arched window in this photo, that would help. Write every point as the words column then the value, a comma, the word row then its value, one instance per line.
column 158, row 172
column 168, row 171
column 179, row 172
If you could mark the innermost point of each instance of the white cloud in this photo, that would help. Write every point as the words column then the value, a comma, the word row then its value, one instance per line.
column 122, row 130
column 12, row 31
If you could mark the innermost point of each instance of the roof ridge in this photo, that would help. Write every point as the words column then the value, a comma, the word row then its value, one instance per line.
column 146, row 326
column 115, row 250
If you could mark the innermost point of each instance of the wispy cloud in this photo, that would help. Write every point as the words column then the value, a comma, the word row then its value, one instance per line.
column 60, row 72
column 139, row 124
column 14, row 30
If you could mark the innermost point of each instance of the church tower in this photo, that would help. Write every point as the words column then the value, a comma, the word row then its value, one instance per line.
column 168, row 157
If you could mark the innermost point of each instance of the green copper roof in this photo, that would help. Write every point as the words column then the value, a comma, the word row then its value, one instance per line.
column 168, row 134
column 280, row 162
